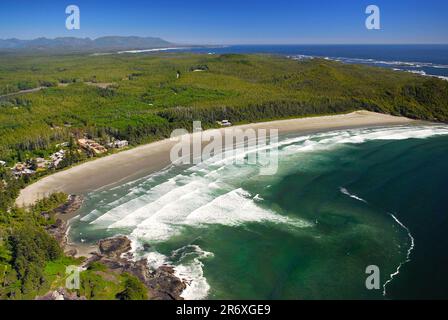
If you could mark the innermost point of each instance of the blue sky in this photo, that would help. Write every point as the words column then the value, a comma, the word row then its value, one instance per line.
column 231, row 21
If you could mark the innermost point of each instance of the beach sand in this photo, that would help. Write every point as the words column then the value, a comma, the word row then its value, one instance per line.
column 143, row 160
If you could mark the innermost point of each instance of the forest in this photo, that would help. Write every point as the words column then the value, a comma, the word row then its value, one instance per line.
column 142, row 98
column 46, row 101
column 32, row 262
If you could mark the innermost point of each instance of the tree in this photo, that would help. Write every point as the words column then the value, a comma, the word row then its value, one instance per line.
column 21, row 156
column 33, row 164
column 134, row 289
column 32, row 248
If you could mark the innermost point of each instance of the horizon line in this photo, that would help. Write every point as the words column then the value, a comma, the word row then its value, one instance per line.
column 232, row 43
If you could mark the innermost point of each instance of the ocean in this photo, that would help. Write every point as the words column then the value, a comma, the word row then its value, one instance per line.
column 340, row 201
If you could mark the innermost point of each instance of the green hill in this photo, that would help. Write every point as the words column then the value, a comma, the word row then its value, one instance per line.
column 140, row 98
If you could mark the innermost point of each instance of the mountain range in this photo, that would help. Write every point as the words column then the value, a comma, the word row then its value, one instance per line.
column 108, row 43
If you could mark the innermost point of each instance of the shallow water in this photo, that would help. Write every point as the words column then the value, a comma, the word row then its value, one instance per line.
column 340, row 201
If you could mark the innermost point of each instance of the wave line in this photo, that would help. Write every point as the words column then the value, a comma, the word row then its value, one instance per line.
column 347, row 193
column 408, row 256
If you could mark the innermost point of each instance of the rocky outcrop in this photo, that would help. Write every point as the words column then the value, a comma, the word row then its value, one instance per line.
column 114, row 253
column 58, row 230
column 70, row 207
column 114, row 247
column 162, row 283
column 60, row 294
column 62, row 213
column 165, row 285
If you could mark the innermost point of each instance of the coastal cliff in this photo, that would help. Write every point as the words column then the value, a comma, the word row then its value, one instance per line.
column 114, row 254
column 162, row 284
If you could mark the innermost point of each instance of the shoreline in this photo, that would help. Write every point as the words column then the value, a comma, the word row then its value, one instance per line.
column 143, row 160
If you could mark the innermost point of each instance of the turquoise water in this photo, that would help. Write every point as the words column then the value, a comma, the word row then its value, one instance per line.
column 340, row 201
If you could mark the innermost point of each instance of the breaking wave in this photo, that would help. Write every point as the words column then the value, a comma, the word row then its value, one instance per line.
column 188, row 265
column 354, row 196
column 160, row 207
column 423, row 68
column 192, row 273
column 410, row 236
column 408, row 255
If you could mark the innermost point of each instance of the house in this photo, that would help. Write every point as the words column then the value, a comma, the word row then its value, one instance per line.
column 28, row 172
column 21, row 169
column 58, row 155
column 56, row 158
column 2, row 163
column 19, row 166
column 91, row 146
column 42, row 163
column 56, row 163
column 118, row 144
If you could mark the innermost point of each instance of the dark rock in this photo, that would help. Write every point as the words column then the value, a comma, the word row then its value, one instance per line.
column 59, row 231
column 71, row 206
column 162, row 283
column 71, row 253
column 114, row 247
column 139, row 269
column 114, row 253
column 165, row 285
column 60, row 294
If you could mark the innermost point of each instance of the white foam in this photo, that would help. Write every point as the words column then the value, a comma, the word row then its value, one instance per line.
column 210, row 192
column 346, row 192
column 193, row 275
column 91, row 215
column 168, row 207
column 420, row 72
column 442, row 77
column 393, row 64
column 151, row 50
column 137, row 206
column 156, row 259
column 408, row 255
column 191, row 271
column 358, row 136
column 235, row 208
column 199, row 209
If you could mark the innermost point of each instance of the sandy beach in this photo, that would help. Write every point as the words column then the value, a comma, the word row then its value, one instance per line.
column 143, row 160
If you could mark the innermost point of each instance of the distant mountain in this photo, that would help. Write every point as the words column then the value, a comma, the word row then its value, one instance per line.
column 65, row 44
